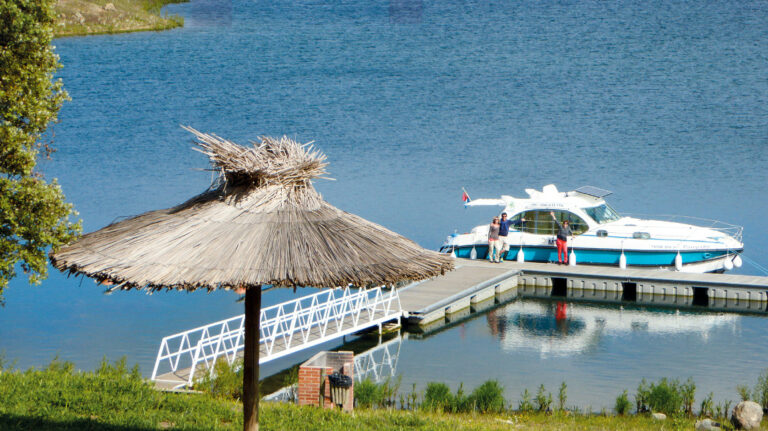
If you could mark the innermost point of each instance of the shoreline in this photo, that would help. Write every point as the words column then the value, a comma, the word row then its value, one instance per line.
column 95, row 17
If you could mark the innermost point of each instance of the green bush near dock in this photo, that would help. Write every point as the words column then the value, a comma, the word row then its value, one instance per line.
column 115, row 397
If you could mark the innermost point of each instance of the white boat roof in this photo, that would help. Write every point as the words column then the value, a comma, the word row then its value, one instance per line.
column 549, row 197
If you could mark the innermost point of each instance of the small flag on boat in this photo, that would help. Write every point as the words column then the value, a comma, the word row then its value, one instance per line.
column 465, row 196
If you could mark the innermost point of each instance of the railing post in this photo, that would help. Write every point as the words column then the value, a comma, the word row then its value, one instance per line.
column 194, row 365
column 164, row 343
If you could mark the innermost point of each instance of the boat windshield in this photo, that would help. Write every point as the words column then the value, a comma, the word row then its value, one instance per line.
column 602, row 213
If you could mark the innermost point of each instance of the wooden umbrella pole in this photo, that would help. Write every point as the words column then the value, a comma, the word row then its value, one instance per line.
column 251, row 359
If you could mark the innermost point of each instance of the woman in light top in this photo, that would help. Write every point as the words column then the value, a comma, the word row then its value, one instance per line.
column 494, row 244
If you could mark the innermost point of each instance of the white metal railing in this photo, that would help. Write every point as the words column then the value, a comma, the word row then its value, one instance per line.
column 729, row 229
column 285, row 328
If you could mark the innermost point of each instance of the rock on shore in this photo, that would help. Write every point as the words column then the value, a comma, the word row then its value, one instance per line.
column 747, row 415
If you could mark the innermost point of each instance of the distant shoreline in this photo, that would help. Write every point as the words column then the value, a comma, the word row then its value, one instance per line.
column 90, row 17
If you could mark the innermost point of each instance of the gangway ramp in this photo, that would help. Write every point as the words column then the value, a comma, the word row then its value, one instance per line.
column 285, row 329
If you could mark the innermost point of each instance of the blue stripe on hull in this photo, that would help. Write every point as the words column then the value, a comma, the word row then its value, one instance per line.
column 600, row 257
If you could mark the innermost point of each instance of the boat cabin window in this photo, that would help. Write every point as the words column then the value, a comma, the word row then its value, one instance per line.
column 540, row 222
column 602, row 213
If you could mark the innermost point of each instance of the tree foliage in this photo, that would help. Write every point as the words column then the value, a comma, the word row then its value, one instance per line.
column 33, row 213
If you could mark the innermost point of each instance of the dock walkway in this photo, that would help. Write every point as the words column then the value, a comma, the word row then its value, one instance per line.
column 474, row 281
column 474, row 286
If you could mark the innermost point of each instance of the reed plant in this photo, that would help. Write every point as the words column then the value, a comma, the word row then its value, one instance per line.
column 489, row 397
column 744, row 392
column 437, row 397
column 665, row 396
column 622, row 405
column 525, row 404
column 761, row 389
column 367, row 394
column 543, row 399
column 562, row 396
column 706, row 408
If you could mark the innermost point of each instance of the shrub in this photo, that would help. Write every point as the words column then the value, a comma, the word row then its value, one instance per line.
column 525, row 403
column 488, row 397
column 437, row 397
column 367, row 394
column 622, row 404
column 225, row 382
column 543, row 400
column 665, row 397
column 641, row 397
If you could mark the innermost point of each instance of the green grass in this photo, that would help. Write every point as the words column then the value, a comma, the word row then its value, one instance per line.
column 110, row 398
column 116, row 398
column 84, row 17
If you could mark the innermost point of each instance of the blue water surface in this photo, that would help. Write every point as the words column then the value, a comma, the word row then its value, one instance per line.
column 664, row 103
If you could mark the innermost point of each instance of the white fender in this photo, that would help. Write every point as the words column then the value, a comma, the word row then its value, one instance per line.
column 737, row 262
column 473, row 254
column 622, row 261
column 728, row 264
column 453, row 254
column 678, row 262
column 521, row 256
column 572, row 258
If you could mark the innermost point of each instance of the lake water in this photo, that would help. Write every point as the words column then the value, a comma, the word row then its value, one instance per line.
column 664, row 103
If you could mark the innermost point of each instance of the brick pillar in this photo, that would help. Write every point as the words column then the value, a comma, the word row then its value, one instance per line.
column 314, row 385
column 309, row 386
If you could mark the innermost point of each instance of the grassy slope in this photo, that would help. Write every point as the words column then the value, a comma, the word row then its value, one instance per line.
column 114, row 398
column 81, row 17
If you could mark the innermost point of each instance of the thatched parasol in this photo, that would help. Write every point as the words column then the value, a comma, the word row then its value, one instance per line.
column 260, row 223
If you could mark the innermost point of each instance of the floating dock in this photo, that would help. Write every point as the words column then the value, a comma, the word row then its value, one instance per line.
column 473, row 282
column 432, row 305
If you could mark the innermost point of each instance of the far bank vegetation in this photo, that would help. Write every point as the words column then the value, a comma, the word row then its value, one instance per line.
column 82, row 17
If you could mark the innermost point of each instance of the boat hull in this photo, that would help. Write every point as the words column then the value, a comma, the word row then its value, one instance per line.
column 692, row 261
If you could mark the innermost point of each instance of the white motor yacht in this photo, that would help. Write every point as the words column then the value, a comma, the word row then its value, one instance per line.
column 601, row 236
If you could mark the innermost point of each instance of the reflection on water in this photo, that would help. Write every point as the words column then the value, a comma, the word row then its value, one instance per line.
column 566, row 329
column 598, row 349
column 379, row 362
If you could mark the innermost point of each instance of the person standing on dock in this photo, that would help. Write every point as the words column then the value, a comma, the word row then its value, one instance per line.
column 563, row 232
column 504, row 226
column 494, row 244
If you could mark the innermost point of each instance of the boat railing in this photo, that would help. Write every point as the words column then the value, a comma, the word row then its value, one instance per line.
column 548, row 227
column 735, row 231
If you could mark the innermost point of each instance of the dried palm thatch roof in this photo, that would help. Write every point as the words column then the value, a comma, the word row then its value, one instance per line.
column 261, row 223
